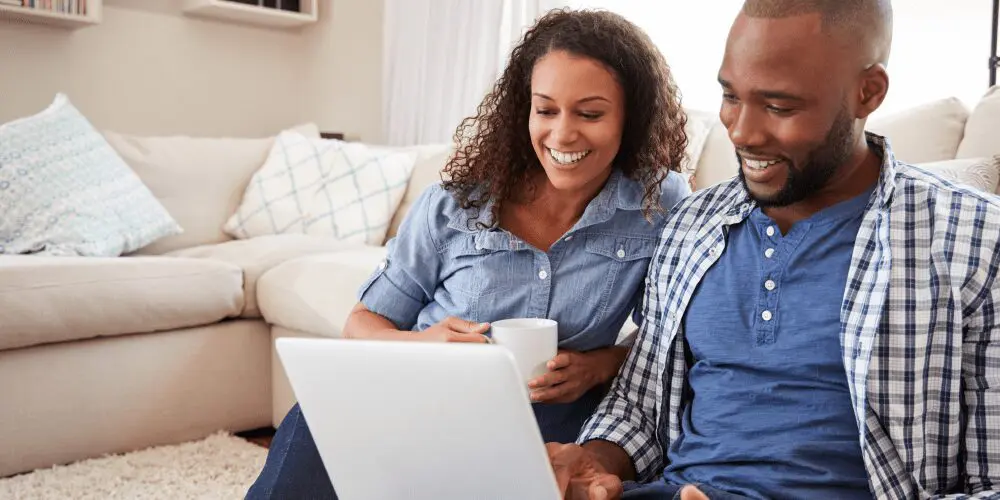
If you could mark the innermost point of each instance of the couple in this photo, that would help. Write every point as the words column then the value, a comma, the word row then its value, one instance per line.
column 818, row 327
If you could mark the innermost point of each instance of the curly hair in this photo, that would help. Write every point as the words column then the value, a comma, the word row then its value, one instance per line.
column 494, row 154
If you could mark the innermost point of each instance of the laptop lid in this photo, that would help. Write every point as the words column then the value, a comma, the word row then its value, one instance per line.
column 398, row 420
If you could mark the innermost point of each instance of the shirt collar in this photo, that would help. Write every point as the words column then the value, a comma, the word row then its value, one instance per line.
column 618, row 193
column 743, row 204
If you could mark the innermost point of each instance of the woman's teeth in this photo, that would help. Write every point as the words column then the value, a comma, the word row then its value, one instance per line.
column 758, row 164
column 567, row 158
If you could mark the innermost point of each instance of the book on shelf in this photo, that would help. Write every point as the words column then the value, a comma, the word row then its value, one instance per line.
column 71, row 7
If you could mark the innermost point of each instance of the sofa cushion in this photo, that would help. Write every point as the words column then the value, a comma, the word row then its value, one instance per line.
column 64, row 191
column 718, row 158
column 925, row 133
column 47, row 299
column 324, row 187
column 982, row 174
column 982, row 130
column 258, row 255
column 426, row 171
column 200, row 180
column 316, row 294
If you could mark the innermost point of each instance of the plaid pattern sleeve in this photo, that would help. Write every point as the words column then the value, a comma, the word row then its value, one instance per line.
column 932, row 386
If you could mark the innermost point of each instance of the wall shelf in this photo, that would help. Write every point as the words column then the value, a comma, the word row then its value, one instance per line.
column 242, row 13
column 32, row 15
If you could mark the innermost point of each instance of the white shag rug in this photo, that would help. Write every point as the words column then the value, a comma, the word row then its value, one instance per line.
column 221, row 466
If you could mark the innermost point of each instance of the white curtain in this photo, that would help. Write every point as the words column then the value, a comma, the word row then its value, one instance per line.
column 940, row 49
column 440, row 57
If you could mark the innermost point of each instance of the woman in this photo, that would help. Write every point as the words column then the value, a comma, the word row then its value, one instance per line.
column 552, row 208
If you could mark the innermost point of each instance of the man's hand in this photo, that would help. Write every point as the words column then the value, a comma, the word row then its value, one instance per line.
column 572, row 373
column 690, row 492
column 453, row 329
column 580, row 475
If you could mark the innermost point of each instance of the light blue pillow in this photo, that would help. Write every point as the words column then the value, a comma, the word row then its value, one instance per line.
column 65, row 191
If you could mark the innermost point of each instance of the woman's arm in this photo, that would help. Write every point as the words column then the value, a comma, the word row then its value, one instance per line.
column 366, row 325
column 572, row 373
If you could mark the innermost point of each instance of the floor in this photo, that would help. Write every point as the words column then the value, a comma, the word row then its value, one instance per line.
column 261, row 437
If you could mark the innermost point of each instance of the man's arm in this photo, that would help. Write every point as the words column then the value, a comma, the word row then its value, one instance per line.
column 981, row 394
column 623, row 428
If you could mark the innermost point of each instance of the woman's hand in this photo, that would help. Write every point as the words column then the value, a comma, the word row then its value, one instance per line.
column 453, row 329
column 572, row 373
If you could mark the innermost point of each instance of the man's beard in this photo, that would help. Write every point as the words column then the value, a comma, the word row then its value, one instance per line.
column 819, row 167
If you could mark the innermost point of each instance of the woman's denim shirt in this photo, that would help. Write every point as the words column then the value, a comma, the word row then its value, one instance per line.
column 440, row 264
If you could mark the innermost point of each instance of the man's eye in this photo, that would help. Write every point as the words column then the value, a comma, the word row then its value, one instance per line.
column 779, row 110
column 728, row 97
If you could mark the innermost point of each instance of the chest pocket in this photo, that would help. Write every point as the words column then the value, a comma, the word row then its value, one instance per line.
column 623, row 249
column 478, row 270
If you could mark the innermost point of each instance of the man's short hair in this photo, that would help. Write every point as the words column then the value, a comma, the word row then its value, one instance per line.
column 864, row 23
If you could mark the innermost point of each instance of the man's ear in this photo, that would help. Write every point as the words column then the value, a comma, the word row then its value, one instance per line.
column 874, row 87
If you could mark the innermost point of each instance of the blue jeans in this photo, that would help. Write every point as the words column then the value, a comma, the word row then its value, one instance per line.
column 294, row 469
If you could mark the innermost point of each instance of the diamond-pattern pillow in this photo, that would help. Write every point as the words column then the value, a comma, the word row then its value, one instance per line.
column 65, row 191
column 342, row 190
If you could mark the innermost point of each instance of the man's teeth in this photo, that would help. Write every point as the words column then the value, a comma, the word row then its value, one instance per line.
column 760, row 165
column 567, row 158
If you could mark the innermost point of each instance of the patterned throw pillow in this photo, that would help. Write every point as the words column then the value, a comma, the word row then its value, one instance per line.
column 342, row 190
column 64, row 190
column 979, row 173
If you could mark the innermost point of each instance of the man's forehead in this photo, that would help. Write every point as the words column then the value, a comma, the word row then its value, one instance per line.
column 793, row 48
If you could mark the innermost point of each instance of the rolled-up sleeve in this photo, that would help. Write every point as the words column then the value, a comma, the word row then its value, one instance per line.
column 405, row 281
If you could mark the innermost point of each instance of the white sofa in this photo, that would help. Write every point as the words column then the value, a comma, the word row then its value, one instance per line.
column 175, row 342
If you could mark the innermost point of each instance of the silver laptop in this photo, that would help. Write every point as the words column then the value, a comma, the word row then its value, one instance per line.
column 397, row 420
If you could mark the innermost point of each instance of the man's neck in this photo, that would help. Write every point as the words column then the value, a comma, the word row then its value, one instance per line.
column 857, row 176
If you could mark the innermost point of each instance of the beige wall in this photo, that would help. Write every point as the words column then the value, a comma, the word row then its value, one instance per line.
column 148, row 69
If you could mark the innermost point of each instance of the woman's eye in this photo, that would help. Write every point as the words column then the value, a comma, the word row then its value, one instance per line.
column 591, row 116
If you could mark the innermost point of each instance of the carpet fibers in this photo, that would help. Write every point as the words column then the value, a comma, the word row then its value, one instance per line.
column 221, row 466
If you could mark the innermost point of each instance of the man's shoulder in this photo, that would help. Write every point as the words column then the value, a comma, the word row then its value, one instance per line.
column 925, row 191
column 706, row 203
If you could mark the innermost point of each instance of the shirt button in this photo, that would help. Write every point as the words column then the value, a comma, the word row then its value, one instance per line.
column 570, row 237
column 621, row 253
column 769, row 284
column 542, row 274
column 769, row 253
column 766, row 315
column 381, row 266
column 770, row 230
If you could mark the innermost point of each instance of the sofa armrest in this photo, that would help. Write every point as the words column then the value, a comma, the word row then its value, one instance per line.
column 315, row 294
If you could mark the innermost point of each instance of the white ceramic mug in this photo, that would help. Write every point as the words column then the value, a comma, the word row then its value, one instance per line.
column 532, row 341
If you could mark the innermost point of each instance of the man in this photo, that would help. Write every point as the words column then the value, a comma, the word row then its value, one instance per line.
column 821, row 326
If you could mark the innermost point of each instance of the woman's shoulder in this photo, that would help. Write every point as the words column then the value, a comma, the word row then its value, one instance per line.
column 674, row 188
column 443, row 212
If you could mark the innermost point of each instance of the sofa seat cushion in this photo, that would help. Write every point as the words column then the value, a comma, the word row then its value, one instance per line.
column 315, row 294
column 55, row 299
column 255, row 256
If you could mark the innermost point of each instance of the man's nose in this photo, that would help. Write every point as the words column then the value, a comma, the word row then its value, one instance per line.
column 746, row 128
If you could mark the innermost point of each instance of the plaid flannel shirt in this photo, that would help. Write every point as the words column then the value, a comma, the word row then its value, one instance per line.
column 918, row 320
